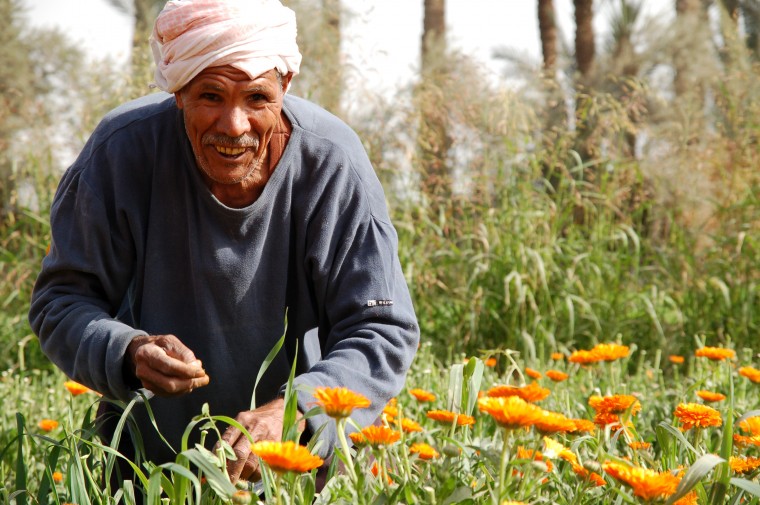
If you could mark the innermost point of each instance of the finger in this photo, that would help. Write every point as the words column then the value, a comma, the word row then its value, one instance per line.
column 161, row 384
column 251, row 468
column 176, row 349
column 156, row 358
column 242, row 451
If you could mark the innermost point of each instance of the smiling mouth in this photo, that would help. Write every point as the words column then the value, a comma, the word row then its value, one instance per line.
column 230, row 151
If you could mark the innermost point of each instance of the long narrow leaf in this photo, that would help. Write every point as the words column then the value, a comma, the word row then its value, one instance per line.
column 694, row 474
column 268, row 361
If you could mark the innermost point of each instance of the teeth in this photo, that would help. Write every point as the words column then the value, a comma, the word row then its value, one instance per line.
column 230, row 151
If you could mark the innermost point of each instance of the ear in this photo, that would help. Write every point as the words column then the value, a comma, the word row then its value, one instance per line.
column 286, row 81
column 178, row 99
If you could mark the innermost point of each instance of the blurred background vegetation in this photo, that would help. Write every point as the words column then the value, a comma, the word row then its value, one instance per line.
column 613, row 195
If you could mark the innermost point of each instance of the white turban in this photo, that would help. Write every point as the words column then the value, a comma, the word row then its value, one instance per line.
column 254, row 36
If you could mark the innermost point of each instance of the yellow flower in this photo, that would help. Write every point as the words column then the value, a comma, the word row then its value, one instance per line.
column 375, row 436
column 745, row 441
column 646, row 484
column 745, row 464
column 241, row 497
column 582, row 357
column 715, row 353
column 390, row 411
column 448, row 417
column 421, row 395
column 752, row 374
column 615, row 404
column 676, row 359
column 424, row 451
column 340, row 402
column 57, row 477
column 696, row 415
column 533, row 374
column 76, row 388
column 710, row 396
column 47, row 424
column 552, row 448
column 287, row 456
column 556, row 375
column 558, row 356
column 510, row 412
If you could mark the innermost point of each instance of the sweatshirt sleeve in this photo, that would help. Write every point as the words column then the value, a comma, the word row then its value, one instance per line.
column 84, row 279
column 368, row 328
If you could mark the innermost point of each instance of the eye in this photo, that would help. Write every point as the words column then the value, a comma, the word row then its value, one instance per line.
column 211, row 97
column 257, row 97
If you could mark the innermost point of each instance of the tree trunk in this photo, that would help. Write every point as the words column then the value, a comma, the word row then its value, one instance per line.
column 433, row 31
column 548, row 31
column 690, row 15
column 584, row 37
column 433, row 140
column 330, row 96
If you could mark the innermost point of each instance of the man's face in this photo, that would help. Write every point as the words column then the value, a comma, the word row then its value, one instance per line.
column 229, row 119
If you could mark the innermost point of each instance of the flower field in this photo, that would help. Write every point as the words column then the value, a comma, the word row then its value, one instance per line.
column 604, row 425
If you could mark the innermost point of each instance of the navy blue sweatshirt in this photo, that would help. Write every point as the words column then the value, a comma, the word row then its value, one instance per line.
column 141, row 246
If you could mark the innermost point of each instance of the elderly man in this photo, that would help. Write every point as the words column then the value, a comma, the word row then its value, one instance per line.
column 193, row 223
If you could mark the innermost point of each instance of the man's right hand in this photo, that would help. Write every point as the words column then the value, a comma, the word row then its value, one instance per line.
column 164, row 365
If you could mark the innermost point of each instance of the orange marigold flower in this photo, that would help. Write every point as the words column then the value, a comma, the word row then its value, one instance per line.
column 47, row 424
column 553, row 422
column 57, row 477
column 745, row 464
column 390, row 411
column 375, row 436
column 615, row 404
column 287, row 456
column 584, row 425
column 556, row 375
column 695, row 415
column 746, row 441
column 424, row 451
column 448, row 417
column 638, row 445
column 421, row 395
column 646, row 484
column 241, row 497
column 610, row 352
column 751, row 425
column 376, row 472
column 582, row 357
column 558, row 356
column 523, row 453
column 340, row 402
column 490, row 362
column 710, row 396
column 510, row 411
column 676, row 359
column 530, row 393
column 533, row 374
column 592, row 477
column 512, row 502
column 410, row 426
column 752, row 374
column 715, row 353
column 76, row 388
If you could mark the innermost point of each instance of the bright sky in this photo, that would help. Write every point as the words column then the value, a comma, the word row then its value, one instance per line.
column 384, row 34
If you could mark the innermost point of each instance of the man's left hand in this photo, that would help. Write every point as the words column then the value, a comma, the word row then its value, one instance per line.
column 264, row 423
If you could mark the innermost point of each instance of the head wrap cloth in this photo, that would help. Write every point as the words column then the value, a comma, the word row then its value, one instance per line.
column 254, row 36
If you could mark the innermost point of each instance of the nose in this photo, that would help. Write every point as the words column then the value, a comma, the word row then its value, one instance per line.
column 234, row 122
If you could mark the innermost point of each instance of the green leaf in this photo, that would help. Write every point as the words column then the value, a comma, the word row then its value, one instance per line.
column 456, row 378
column 20, row 460
column 694, row 474
column 749, row 486
column 216, row 479
column 676, row 433
column 268, row 361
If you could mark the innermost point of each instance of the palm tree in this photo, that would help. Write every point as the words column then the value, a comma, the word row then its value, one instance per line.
column 433, row 138
column 585, row 48
column 547, row 27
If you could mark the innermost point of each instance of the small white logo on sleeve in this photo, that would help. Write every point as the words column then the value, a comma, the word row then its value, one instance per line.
column 381, row 303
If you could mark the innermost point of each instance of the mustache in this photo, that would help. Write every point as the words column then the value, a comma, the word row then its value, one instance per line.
column 244, row 140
